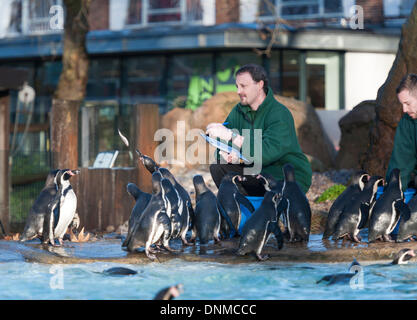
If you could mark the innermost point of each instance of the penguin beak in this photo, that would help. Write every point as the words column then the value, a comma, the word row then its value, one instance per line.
column 73, row 172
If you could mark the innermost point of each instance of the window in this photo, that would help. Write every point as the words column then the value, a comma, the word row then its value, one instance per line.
column 295, row 9
column 144, row 12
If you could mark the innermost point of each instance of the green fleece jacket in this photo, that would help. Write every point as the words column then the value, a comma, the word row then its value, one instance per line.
column 279, row 141
column 404, row 153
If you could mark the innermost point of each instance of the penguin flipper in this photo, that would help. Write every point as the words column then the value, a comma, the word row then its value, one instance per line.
column 364, row 215
column 224, row 214
column 403, row 209
column 274, row 228
column 241, row 199
column 133, row 190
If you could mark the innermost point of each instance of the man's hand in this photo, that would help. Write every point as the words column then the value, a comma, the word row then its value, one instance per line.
column 230, row 157
column 217, row 130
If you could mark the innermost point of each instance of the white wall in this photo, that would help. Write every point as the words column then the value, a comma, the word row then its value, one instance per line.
column 364, row 74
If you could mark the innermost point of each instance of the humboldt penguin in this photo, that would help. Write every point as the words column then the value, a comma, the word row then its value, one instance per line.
column 358, row 183
column 270, row 183
column 261, row 224
column 141, row 201
column 119, row 271
column 169, row 293
column 356, row 212
column 148, row 162
column 47, row 201
column 172, row 204
column 153, row 224
column 297, row 218
column 408, row 229
column 387, row 210
column 206, row 224
column 185, row 207
column 228, row 203
column 342, row 278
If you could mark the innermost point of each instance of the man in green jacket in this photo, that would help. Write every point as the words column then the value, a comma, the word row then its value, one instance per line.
column 259, row 122
column 404, row 153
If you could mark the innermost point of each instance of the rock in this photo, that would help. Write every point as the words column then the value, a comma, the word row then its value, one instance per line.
column 354, row 141
column 388, row 108
column 316, row 164
column 110, row 229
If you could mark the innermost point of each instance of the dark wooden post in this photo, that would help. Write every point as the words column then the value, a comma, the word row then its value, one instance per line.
column 147, row 123
column 64, row 134
column 4, row 159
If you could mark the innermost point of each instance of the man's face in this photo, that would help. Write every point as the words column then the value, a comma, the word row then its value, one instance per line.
column 409, row 103
column 248, row 90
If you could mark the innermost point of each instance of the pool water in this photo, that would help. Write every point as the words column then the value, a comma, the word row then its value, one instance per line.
column 204, row 280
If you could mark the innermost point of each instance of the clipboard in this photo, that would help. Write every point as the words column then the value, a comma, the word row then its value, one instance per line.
column 223, row 147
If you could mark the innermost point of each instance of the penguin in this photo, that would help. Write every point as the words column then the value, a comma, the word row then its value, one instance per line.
column 35, row 219
column 297, row 218
column 355, row 214
column 153, row 225
column 148, row 162
column 261, row 224
column 62, row 211
column 169, row 293
column 387, row 210
column 358, row 183
column 34, row 227
column 270, row 183
column 228, row 204
column 141, row 201
column 185, row 207
column 403, row 256
column 119, row 271
column 341, row 278
column 172, row 204
column 408, row 229
column 206, row 224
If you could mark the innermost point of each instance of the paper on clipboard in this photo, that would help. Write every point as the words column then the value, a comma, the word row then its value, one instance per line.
column 222, row 146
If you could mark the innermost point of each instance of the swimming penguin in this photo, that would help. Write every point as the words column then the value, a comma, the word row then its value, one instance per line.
column 387, row 210
column 34, row 227
column 119, row 271
column 228, row 203
column 169, row 293
column 261, row 224
column 206, row 224
column 342, row 278
column 153, row 225
column 358, row 183
column 356, row 212
column 172, row 204
column 408, row 229
column 297, row 218
column 185, row 207
column 142, row 199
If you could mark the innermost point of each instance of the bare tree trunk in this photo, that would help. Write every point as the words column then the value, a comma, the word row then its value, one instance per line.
column 388, row 108
column 71, row 87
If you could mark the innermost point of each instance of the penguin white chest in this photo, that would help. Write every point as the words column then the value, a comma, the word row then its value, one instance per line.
column 66, row 212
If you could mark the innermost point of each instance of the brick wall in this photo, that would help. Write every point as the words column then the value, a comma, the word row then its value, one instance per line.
column 99, row 15
column 227, row 11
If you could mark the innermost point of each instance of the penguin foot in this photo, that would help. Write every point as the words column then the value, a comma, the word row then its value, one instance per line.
column 150, row 255
column 186, row 243
column 262, row 257
column 387, row 238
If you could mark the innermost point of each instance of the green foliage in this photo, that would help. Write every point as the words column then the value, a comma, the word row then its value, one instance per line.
column 34, row 163
column 331, row 193
column 22, row 199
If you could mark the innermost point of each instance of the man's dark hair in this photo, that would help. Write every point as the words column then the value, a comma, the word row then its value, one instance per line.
column 409, row 82
column 257, row 73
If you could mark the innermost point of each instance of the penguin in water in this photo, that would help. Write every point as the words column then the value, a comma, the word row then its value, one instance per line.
column 358, row 183
column 153, row 225
column 119, row 271
column 297, row 218
column 169, row 293
column 206, row 224
column 356, row 212
column 260, row 225
column 141, row 201
column 185, row 207
column 34, row 227
column 228, row 204
column 408, row 229
column 172, row 204
column 342, row 278
column 387, row 210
